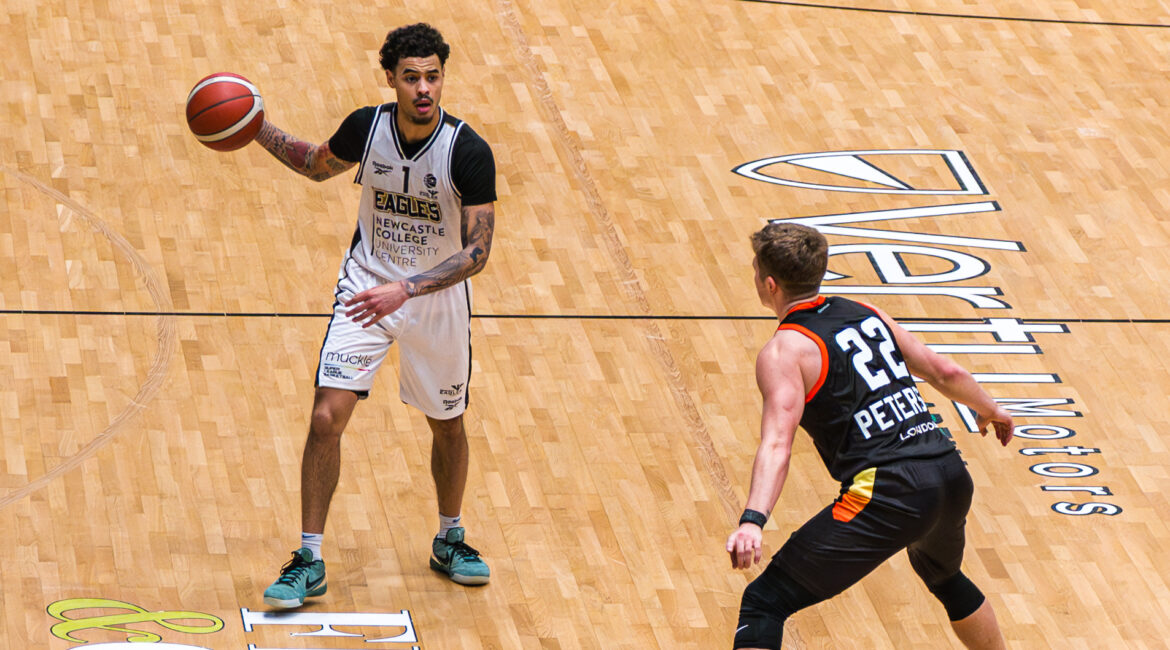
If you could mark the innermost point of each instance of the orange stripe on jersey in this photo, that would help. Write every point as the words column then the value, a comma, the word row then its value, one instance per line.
column 850, row 504
column 815, row 302
column 824, row 357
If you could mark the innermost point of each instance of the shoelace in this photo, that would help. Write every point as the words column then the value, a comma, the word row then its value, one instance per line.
column 292, row 571
column 463, row 550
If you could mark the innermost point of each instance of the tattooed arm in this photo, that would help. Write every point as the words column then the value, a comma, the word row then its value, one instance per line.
column 479, row 224
column 313, row 160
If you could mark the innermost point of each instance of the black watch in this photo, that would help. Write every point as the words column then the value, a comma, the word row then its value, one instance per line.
column 753, row 517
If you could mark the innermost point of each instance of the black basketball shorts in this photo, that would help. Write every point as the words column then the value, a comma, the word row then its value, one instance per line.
column 919, row 505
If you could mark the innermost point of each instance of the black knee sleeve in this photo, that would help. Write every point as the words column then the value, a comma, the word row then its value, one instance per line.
column 958, row 595
column 767, row 602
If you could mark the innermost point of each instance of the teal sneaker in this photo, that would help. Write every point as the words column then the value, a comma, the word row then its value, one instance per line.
column 300, row 578
column 458, row 560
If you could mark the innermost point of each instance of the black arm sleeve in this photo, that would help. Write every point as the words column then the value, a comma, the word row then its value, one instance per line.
column 473, row 168
column 349, row 143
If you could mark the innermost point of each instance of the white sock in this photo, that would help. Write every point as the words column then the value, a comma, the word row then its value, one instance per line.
column 446, row 524
column 312, row 541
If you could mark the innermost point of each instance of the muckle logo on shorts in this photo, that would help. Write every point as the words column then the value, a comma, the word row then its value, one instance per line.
column 452, row 396
column 404, row 205
column 345, row 366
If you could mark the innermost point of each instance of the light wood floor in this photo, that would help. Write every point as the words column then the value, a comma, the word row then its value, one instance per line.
column 161, row 307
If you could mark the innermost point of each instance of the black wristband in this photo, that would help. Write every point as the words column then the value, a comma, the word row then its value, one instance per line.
column 753, row 517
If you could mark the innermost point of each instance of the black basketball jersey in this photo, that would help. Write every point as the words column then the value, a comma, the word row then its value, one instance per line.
column 864, row 410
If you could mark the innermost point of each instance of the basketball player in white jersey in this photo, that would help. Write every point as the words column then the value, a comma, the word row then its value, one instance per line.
column 425, row 225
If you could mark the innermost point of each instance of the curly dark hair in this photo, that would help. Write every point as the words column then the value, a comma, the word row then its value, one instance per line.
column 419, row 39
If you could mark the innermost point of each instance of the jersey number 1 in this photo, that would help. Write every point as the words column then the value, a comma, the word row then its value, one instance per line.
column 860, row 349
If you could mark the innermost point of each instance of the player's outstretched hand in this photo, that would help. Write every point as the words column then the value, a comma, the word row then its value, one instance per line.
column 1001, row 421
column 372, row 305
column 745, row 546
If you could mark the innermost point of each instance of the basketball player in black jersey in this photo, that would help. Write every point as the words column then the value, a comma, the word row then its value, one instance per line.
column 842, row 371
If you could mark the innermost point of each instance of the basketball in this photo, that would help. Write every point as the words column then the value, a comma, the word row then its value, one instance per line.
column 225, row 111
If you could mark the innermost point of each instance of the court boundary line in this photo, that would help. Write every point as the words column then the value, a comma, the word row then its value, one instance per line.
column 938, row 14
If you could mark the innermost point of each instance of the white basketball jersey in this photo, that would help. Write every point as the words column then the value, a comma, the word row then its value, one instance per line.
column 409, row 218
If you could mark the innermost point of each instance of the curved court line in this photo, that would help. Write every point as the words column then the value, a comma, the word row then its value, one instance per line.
column 630, row 283
column 938, row 14
column 158, row 366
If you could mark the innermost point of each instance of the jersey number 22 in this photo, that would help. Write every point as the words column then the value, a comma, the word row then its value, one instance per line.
column 860, row 348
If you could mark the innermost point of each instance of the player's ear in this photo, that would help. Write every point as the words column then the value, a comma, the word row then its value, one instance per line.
column 770, row 283
column 390, row 78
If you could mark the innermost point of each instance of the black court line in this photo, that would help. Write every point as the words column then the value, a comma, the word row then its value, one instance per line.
column 934, row 14
column 616, row 317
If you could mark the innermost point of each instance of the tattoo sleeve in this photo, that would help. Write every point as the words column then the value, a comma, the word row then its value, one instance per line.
column 314, row 161
column 479, row 224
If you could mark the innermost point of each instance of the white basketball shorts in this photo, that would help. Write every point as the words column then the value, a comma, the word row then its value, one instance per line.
column 434, row 335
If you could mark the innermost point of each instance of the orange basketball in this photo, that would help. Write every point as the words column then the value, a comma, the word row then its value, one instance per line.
column 225, row 111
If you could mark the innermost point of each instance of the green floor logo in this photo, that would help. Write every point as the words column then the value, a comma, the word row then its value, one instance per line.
column 127, row 615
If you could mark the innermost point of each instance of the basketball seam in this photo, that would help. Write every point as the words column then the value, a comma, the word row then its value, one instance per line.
column 257, row 109
column 223, row 78
column 219, row 103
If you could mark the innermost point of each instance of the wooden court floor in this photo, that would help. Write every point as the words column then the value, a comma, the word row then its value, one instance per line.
column 161, row 308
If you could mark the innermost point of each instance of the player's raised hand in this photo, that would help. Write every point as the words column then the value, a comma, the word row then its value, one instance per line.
column 1000, row 420
column 745, row 546
column 372, row 305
